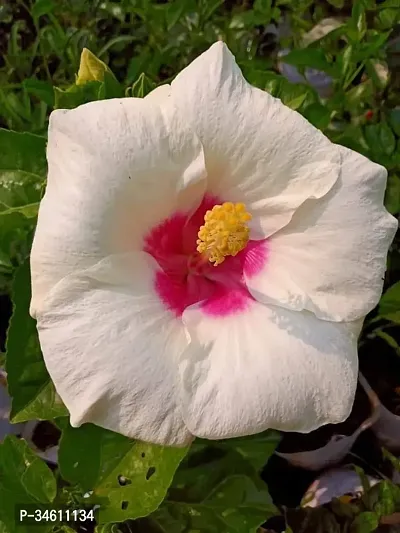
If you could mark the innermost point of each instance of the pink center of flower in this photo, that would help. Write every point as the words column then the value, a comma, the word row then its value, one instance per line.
column 187, row 277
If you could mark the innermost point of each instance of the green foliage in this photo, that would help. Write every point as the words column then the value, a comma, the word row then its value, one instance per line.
column 217, row 488
column 22, row 174
column 24, row 479
column 142, row 86
column 29, row 384
column 117, row 469
column 389, row 307
column 365, row 522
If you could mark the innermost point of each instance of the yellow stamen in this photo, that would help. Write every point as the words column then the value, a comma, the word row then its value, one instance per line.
column 225, row 232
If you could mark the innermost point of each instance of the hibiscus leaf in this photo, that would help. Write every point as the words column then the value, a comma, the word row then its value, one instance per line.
column 22, row 168
column 318, row 115
column 24, row 480
column 89, row 91
column 41, row 89
column 236, row 505
column 392, row 196
column 312, row 58
column 28, row 210
column 89, row 452
column 256, row 450
column 107, row 528
column 29, row 384
column 390, row 303
column 77, row 95
column 365, row 522
column 217, row 488
column 384, row 498
column 146, row 470
column 22, row 174
column 142, row 86
column 394, row 119
column 128, row 478
column 380, row 139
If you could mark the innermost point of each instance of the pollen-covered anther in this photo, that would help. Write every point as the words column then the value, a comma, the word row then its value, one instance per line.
column 224, row 233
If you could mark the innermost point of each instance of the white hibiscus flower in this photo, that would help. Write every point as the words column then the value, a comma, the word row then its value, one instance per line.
column 163, row 310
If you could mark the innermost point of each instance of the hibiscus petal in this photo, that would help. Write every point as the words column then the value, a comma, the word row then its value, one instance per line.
column 266, row 367
column 116, row 168
column 110, row 348
column 331, row 258
column 257, row 150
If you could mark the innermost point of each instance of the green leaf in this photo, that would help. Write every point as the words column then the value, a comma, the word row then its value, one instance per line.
column 88, row 452
column 378, row 72
column 363, row 478
column 148, row 470
column 394, row 119
column 29, row 210
column 77, row 95
column 236, row 505
column 129, row 478
column 111, row 87
column 359, row 95
column 391, row 341
column 294, row 101
column 318, row 115
column 337, row 3
column 218, row 488
column 24, row 479
column 388, row 4
column 107, row 528
column 347, row 61
column 366, row 522
column 23, row 168
column 380, row 139
column 388, row 18
column 173, row 14
column 88, row 91
column 256, row 450
column 310, row 57
column 392, row 195
column 387, row 138
column 358, row 24
column 210, row 8
column 297, row 96
column 41, row 89
column 392, row 458
column 353, row 137
column 389, row 305
column 29, row 384
column 42, row 7
column 385, row 498
column 263, row 11
column 142, row 86
column 91, row 68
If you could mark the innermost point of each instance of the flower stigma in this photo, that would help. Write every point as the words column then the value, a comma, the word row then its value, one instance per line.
column 225, row 232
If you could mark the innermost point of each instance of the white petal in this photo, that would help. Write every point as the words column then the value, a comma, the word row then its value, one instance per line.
column 159, row 94
column 266, row 367
column 331, row 258
column 111, row 348
column 116, row 168
column 257, row 150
